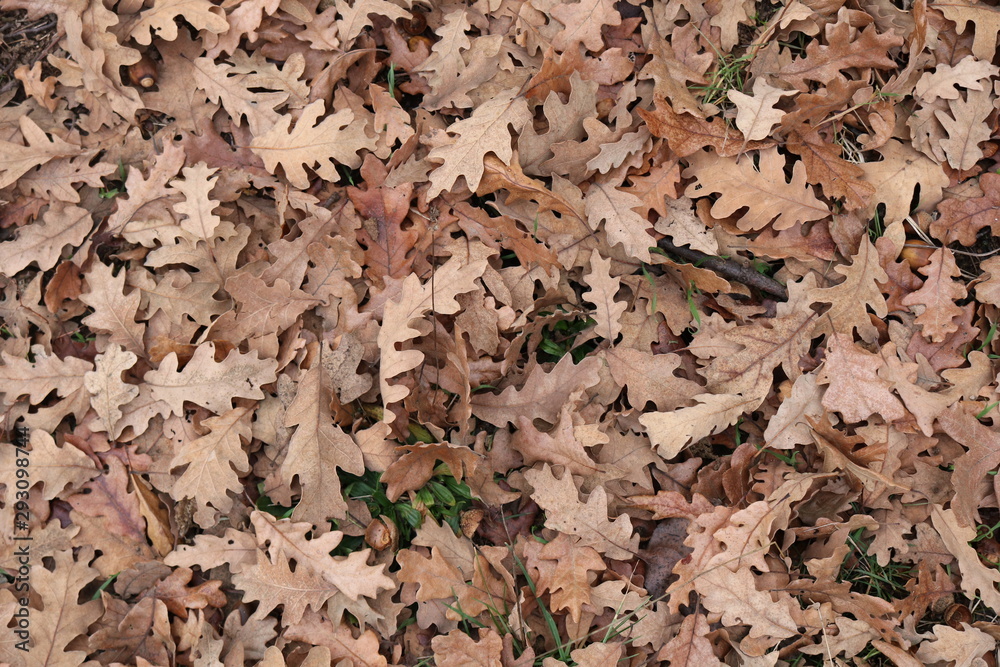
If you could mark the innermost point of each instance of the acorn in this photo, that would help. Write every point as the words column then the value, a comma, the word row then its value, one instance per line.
column 413, row 43
column 382, row 534
column 144, row 72
column 917, row 253
column 470, row 520
column 416, row 24
column 957, row 614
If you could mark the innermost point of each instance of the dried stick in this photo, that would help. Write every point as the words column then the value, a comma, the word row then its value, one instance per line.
column 727, row 268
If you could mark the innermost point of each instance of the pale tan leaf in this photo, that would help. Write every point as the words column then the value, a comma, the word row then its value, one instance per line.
column 416, row 300
column 757, row 116
column 622, row 224
column 978, row 581
column 317, row 448
column 589, row 521
column 987, row 24
column 273, row 584
column 851, row 298
column 855, row 390
column 37, row 379
column 583, row 22
column 108, row 389
column 542, row 395
column 354, row 19
column 559, row 446
column 43, row 242
column 350, row 574
column 208, row 383
column 17, row 159
column 568, row 581
column 114, row 311
column 603, row 288
column 966, row 128
column 63, row 618
column 690, row 647
column 159, row 19
column 897, row 176
column 240, row 95
column 941, row 83
column 735, row 596
column 214, row 463
column 58, row 467
column 965, row 646
column 671, row 432
column 764, row 192
column 937, row 310
column 650, row 377
column 483, row 132
column 457, row 649
column 196, row 213
column 312, row 143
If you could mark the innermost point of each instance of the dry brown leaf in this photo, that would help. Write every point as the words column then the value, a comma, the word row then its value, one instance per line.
column 215, row 462
column 318, row 447
column 670, row 432
column 763, row 191
column 484, row 132
column 757, row 114
column 589, row 520
column 209, row 383
column 317, row 144
column 937, row 296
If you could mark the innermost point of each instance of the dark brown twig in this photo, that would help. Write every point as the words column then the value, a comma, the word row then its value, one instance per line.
column 727, row 268
column 41, row 54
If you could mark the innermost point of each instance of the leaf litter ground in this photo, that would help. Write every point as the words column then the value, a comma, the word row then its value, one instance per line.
column 505, row 333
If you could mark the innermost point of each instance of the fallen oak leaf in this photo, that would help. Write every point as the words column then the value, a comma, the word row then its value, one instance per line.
column 567, row 578
column 213, row 465
column 319, row 145
column 17, row 160
column 43, row 242
column 670, row 432
column 764, row 192
column 485, row 131
column 274, row 583
column 351, row 574
column 160, row 19
column 542, row 395
column 565, row 513
column 114, row 311
column 108, row 389
column 757, row 116
column 415, row 301
column 457, row 649
column 937, row 296
column 317, row 448
column 415, row 467
column 687, row 134
column 208, row 383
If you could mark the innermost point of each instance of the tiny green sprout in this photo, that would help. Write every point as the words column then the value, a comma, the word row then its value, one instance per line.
column 652, row 288
column 875, row 228
column 693, row 307
column 990, row 335
column 985, row 411
column 83, row 338
column 107, row 582
column 391, row 78
column 111, row 193
column 761, row 267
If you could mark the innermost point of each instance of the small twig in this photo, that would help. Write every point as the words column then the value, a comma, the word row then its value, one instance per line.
column 727, row 268
column 33, row 28
column 43, row 53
